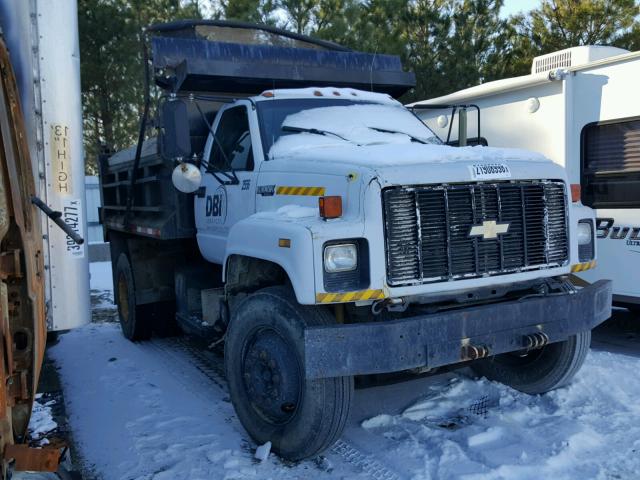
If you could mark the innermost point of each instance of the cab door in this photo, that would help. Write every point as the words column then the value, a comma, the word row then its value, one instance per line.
column 228, row 181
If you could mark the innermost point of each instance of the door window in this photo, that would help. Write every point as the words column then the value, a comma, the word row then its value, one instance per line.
column 232, row 146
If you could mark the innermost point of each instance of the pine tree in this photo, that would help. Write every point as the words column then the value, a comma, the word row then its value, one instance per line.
column 112, row 68
column 560, row 24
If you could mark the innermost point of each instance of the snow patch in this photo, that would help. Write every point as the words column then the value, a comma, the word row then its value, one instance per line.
column 289, row 211
column 299, row 149
column 581, row 431
column 41, row 422
column 359, row 125
column 152, row 414
column 378, row 421
column 262, row 452
column 492, row 434
column 345, row 93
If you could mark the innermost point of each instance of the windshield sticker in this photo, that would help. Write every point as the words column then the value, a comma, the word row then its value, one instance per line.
column 481, row 171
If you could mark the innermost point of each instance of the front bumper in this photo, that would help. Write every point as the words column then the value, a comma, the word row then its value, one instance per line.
column 443, row 338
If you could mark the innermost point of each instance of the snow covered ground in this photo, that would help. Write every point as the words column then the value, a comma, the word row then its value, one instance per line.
column 160, row 410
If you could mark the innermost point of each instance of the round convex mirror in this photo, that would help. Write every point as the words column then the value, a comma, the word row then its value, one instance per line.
column 186, row 177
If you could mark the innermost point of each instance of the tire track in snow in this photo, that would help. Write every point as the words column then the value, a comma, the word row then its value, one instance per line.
column 211, row 366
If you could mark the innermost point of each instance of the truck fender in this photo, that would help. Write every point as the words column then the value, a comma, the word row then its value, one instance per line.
column 286, row 243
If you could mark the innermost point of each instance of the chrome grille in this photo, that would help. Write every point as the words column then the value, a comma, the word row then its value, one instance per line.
column 427, row 230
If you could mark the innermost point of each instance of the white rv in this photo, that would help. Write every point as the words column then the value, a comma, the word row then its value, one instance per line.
column 580, row 108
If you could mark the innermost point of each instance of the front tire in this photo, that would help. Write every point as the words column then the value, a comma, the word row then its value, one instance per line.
column 538, row 371
column 134, row 319
column 264, row 363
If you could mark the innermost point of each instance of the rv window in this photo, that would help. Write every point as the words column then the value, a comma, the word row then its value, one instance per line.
column 611, row 164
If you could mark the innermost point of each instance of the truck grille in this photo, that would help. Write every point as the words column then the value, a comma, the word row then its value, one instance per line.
column 427, row 230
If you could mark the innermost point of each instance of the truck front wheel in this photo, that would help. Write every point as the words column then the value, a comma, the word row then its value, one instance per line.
column 264, row 363
column 134, row 320
column 538, row 371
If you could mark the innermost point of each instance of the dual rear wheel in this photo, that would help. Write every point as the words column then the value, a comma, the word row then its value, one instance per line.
column 139, row 322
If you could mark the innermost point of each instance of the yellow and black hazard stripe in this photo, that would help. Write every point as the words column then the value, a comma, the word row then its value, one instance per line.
column 308, row 191
column 349, row 296
column 581, row 267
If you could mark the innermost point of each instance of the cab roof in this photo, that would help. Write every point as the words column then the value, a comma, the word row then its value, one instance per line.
column 327, row 92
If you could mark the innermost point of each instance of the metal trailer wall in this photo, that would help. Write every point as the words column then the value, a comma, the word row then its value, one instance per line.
column 42, row 36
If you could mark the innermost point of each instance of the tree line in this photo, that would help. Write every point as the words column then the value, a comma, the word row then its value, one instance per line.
column 449, row 44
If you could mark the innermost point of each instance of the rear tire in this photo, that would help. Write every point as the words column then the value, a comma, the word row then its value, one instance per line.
column 134, row 319
column 264, row 363
column 538, row 371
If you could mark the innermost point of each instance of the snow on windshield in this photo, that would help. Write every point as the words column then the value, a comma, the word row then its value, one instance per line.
column 359, row 124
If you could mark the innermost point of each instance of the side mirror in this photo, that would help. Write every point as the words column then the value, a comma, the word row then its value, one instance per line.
column 176, row 139
column 186, row 177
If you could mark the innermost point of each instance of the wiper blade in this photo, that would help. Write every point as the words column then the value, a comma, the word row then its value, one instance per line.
column 415, row 139
column 289, row 128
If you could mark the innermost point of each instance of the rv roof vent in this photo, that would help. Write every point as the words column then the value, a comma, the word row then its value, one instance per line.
column 572, row 57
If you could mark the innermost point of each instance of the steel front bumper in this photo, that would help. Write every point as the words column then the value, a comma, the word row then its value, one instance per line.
column 446, row 338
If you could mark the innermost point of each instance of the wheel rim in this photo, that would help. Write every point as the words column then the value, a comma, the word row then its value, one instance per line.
column 123, row 298
column 272, row 376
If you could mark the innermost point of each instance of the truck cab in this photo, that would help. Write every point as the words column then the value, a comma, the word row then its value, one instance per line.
column 323, row 232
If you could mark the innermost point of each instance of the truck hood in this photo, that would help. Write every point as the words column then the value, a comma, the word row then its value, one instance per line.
column 416, row 163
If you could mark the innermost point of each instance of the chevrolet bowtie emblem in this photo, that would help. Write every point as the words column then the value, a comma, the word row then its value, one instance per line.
column 489, row 229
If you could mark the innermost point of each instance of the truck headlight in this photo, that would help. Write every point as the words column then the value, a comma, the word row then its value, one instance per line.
column 340, row 258
column 584, row 232
column 586, row 250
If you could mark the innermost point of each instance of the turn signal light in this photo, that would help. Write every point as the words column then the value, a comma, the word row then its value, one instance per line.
column 575, row 192
column 330, row 207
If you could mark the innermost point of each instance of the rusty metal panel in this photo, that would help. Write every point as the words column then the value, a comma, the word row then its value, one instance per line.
column 29, row 459
column 22, row 308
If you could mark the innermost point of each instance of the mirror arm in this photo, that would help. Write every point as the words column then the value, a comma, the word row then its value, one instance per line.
column 232, row 178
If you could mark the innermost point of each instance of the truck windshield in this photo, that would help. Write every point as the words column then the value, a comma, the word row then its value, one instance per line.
column 289, row 123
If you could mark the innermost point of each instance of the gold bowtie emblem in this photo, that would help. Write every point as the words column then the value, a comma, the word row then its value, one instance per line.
column 489, row 229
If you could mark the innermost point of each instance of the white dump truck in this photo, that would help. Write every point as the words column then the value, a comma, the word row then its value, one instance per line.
column 577, row 108
column 321, row 230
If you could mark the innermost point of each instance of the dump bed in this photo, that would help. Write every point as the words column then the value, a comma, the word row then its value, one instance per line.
column 224, row 59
